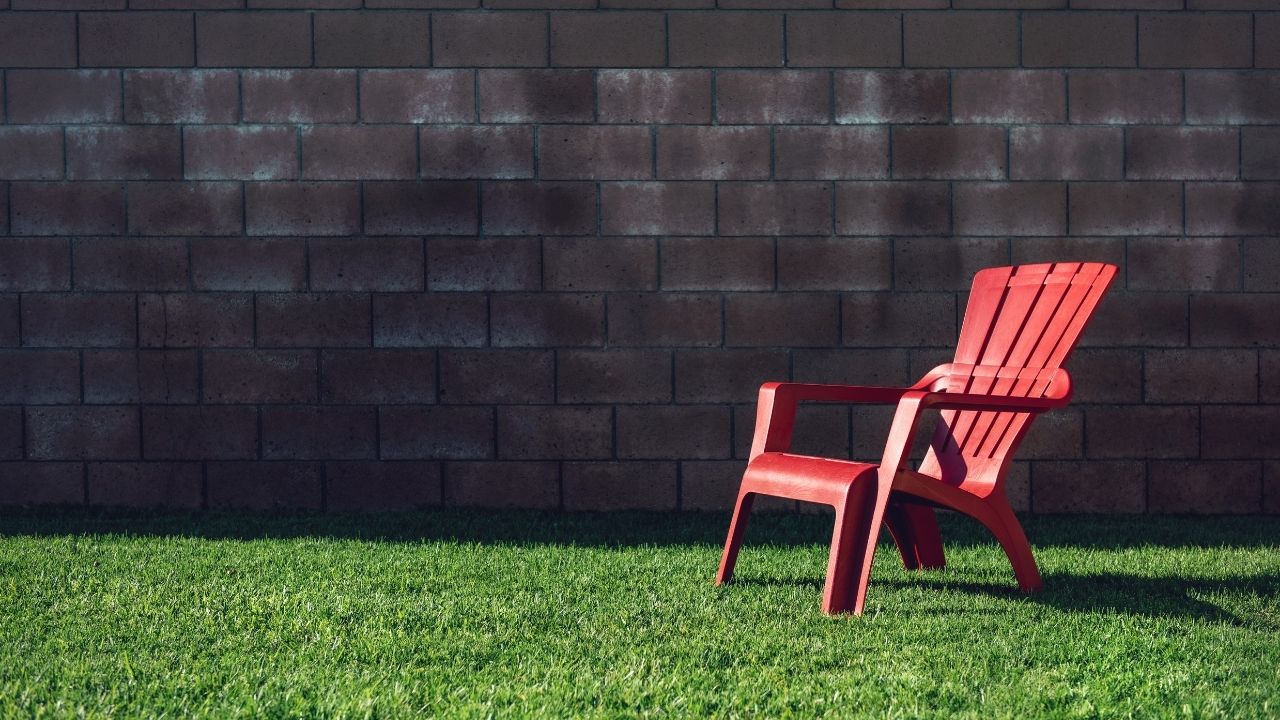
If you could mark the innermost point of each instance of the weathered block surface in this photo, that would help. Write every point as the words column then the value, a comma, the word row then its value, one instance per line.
column 347, row 256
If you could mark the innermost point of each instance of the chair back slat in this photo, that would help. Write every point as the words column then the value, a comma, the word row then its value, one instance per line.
column 1025, row 319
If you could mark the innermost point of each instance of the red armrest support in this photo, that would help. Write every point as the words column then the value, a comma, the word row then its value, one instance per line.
column 776, row 407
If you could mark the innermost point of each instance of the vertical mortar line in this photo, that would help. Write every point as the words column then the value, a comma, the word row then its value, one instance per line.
column 1241, row 249
column 1067, row 214
column 377, row 432
column 359, row 73
column 1021, row 19
column 475, row 93
column 1182, row 77
column 1124, row 152
column 1008, row 153
column 311, row 19
column 774, row 241
column 715, row 99
column 604, row 302
column 653, row 152
column 666, row 39
column 1253, row 39
column 257, row 415
column 22, row 417
column 138, row 407
column 951, row 207
column 560, row 484
column 773, row 152
column 785, row 58
column 840, row 319
column 1188, row 312
column 831, row 97
column 444, row 469
column 715, row 209
column 1066, row 94
column 614, row 431
column 1240, row 156
column 1184, row 207
column 537, row 154
column 479, row 209
column 1146, row 480
column 951, row 112
column 724, row 305
column 77, row 32
column 902, row 39
column 547, row 18
column 324, row 483
column 431, row 62
column 835, row 198
column 680, row 474
column 893, row 267
column 595, row 95
column 1137, row 40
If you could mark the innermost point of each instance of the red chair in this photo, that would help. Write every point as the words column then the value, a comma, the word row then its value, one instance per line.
column 1021, row 323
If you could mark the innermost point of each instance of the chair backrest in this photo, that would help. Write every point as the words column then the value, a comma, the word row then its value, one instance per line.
column 1026, row 317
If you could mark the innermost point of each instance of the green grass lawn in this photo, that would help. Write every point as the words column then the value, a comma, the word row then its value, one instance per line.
column 499, row 615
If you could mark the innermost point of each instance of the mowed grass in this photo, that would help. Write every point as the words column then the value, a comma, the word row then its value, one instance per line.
column 467, row 614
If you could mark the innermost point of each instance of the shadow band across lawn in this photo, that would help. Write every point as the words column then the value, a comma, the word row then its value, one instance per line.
column 1131, row 594
column 617, row 529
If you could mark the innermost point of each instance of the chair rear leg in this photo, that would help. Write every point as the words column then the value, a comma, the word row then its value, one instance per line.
column 1005, row 526
column 915, row 530
column 737, row 528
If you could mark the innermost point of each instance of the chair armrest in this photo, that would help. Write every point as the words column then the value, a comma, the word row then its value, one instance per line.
column 1056, row 394
column 777, row 402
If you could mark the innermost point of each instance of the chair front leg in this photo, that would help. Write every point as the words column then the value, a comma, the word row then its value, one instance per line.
column 840, row 595
column 895, row 452
column 737, row 528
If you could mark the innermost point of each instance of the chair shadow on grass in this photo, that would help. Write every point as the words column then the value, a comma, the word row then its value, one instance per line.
column 1118, row 593
column 1124, row 594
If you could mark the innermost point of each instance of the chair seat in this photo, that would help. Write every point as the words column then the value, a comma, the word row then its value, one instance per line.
column 827, row 481
column 803, row 477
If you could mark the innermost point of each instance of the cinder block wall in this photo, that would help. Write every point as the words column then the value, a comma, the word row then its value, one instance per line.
column 314, row 254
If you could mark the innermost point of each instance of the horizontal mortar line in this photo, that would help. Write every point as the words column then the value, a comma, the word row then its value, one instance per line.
column 585, row 68
column 1011, row 10
column 659, row 125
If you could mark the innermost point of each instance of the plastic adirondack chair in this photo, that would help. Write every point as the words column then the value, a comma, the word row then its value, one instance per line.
column 1020, row 324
